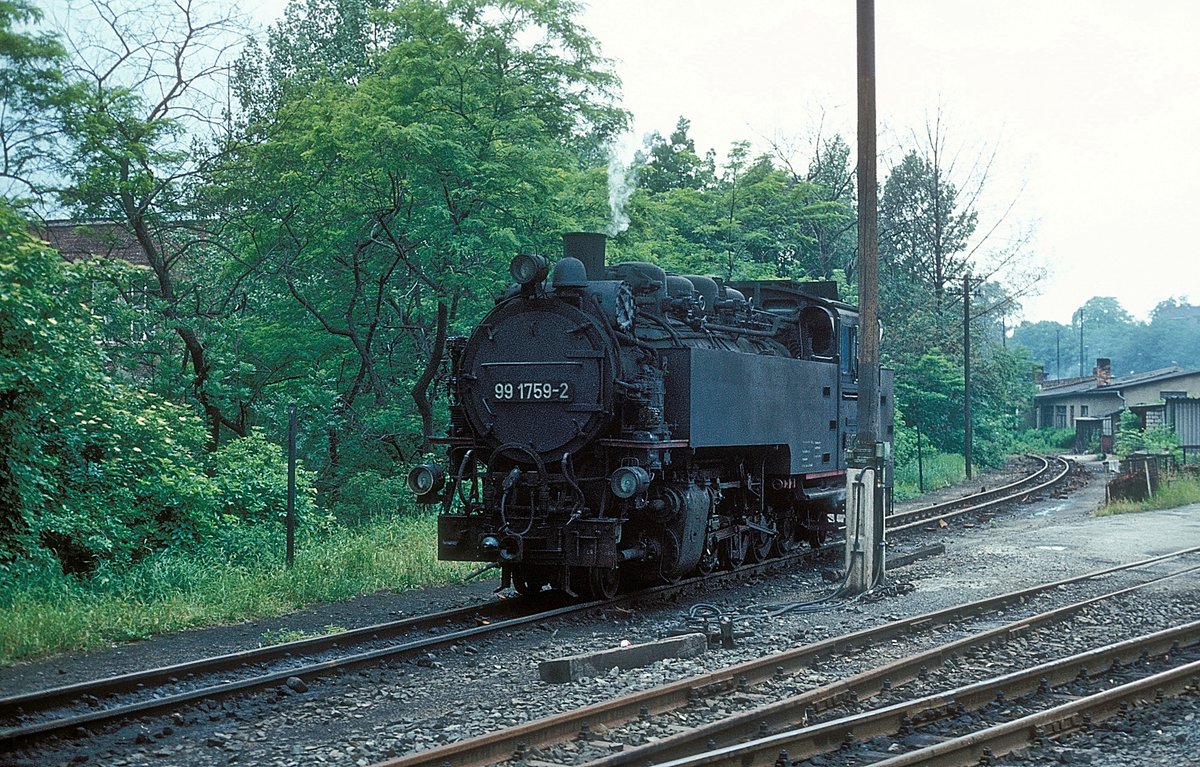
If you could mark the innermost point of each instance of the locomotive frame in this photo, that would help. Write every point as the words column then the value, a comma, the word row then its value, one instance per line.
column 619, row 420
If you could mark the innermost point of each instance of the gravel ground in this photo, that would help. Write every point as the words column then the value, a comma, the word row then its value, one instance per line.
column 359, row 718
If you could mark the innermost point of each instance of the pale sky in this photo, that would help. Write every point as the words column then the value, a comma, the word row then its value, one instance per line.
column 1091, row 105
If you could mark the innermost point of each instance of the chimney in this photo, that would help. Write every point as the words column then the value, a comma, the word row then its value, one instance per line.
column 588, row 247
column 1039, row 376
column 1103, row 371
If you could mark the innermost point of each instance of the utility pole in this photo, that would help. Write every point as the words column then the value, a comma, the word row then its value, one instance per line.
column 865, row 465
column 1081, row 342
column 1058, row 352
column 967, row 431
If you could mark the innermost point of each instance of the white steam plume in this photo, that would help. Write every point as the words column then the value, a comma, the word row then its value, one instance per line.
column 622, row 181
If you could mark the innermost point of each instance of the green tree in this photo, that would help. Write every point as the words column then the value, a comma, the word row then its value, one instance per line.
column 94, row 471
column 143, row 121
column 831, row 245
column 672, row 163
column 930, row 236
column 923, row 230
column 1173, row 332
column 1002, row 390
column 29, row 82
column 386, row 198
column 1100, row 328
column 315, row 41
column 1046, row 342
column 929, row 391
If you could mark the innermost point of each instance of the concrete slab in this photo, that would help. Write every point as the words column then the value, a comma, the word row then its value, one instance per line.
column 575, row 667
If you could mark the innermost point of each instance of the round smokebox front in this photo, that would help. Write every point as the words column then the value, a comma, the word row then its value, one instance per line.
column 537, row 373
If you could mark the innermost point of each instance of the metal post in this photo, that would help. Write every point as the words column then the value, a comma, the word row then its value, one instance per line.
column 967, row 430
column 291, row 491
column 865, row 464
column 920, row 464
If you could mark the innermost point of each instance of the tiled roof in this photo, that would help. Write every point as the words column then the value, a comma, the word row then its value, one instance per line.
column 76, row 240
column 1089, row 385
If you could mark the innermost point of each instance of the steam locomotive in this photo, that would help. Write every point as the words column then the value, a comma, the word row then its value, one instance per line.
column 619, row 421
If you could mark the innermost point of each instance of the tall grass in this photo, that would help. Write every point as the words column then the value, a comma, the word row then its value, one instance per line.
column 940, row 470
column 56, row 613
column 1170, row 495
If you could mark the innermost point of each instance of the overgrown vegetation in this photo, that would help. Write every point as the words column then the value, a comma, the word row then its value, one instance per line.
column 49, row 612
column 1043, row 441
column 1156, row 440
column 939, row 470
column 1176, row 492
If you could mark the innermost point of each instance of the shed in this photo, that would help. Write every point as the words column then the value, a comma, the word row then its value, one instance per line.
column 1060, row 404
column 1183, row 415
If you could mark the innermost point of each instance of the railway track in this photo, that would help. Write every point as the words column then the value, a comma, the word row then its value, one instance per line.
column 1175, row 650
column 775, row 670
column 78, row 708
column 1050, row 472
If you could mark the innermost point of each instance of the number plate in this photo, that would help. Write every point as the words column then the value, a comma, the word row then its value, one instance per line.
column 533, row 391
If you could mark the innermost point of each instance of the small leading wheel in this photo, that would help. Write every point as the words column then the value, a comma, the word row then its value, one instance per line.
column 605, row 582
column 596, row 582
column 709, row 560
column 816, row 526
column 785, row 540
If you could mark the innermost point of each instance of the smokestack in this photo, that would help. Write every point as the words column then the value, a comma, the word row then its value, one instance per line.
column 588, row 247
column 1103, row 371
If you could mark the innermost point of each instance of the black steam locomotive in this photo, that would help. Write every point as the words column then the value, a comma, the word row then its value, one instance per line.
column 622, row 421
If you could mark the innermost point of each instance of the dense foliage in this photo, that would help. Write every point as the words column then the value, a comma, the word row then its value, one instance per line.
column 1103, row 328
column 1156, row 440
column 93, row 469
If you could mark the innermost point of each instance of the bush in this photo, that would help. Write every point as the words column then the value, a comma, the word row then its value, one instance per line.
column 367, row 496
column 250, row 476
column 1043, row 441
column 96, row 475
column 90, row 469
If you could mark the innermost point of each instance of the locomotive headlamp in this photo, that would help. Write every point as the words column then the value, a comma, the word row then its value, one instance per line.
column 426, row 479
column 528, row 268
column 628, row 481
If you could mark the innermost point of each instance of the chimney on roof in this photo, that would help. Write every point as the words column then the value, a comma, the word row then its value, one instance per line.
column 1103, row 371
column 1039, row 376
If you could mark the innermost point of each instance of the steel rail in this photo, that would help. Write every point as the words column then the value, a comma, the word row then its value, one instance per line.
column 32, row 702
column 793, row 711
column 71, row 693
column 12, row 735
column 502, row 744
column 820, row 738
column 1054, row 722
column 995, row 497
